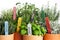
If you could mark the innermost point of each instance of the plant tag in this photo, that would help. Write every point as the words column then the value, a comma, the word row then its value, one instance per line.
column 19, row 24
column 6, row 27
column 29, row 29
column 48, row 25
column 14, row 13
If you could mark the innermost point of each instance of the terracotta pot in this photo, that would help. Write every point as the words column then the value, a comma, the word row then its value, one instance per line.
column 17, row 36
column 7, row 37
column 32, row 37
column 51, row 37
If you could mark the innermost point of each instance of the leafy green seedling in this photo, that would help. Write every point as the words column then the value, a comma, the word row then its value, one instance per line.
column 43, row 30
column 36, row 32
column 23, row 31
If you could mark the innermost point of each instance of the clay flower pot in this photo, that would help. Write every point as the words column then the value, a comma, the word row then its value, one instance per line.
column 32, row 37
column 17, row 36
column 7, row 37
column 51, row 37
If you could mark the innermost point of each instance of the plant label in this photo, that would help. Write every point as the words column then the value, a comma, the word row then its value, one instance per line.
column 29, row 29
column 48, row 25
column 19, row 24
column 6, row 27
column 14, row 13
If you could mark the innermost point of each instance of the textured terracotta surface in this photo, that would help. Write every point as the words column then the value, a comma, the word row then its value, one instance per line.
column 17, row 36
column 52, row 37
column 31, row 37
column 7, row 37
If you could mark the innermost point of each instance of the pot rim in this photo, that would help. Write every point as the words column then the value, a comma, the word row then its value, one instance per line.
column 52, row 34
column 31, row 35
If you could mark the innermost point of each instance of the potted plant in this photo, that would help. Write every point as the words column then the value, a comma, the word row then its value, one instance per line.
column 7, row 33
column 53, row 16
column 37, row 32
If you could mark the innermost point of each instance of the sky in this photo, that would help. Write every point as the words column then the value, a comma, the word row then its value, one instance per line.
column 6, row 4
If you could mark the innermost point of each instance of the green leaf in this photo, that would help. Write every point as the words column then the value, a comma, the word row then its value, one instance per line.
column 23, row 32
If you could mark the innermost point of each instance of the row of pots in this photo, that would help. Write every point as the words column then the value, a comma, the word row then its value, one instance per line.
column 17, row 36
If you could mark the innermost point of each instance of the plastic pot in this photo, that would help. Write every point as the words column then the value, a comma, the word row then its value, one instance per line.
column 32, row 37
column 51, row 37
column 17, row 36
column 7, row 37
